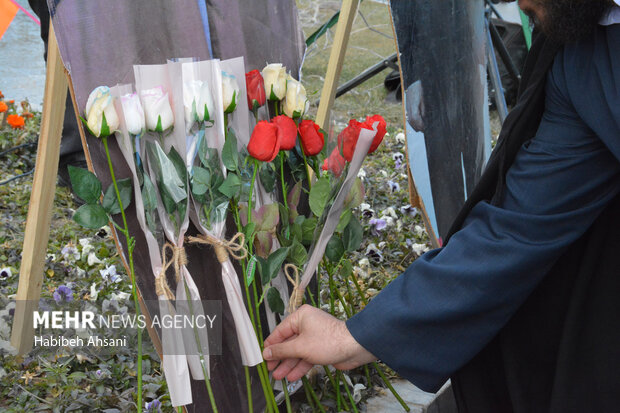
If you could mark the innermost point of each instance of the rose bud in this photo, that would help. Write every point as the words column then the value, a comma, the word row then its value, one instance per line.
column 98, row 107
column 370, row 120
column 198, row 102
column 296, row 102
column 312, row 139
column 334, row 163
column 274, row 76
column 157, row 109
column 255, row 88
column 287, row 131
column 133, row 113
column 230, row 92
column 264, row 143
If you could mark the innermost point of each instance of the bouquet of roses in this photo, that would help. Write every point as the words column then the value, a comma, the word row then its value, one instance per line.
column 198, row 152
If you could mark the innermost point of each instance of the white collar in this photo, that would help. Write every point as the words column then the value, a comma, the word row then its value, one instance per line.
column 613, row 16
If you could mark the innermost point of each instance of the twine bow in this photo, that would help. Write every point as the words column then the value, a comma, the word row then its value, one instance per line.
column 223, row 248
column 179, row 259
column 297, row 296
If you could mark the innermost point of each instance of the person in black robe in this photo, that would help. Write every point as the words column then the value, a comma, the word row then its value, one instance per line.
column 520, row 306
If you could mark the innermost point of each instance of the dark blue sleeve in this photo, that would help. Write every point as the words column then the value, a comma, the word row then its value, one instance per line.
column 452, row 301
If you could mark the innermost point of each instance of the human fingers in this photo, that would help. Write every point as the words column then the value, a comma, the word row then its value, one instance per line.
column 287, row 350
column 300, row 370
column 283, row 331
column 284, row 368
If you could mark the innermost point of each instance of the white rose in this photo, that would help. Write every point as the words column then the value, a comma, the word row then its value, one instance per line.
column 133, row 113
column 230, row 92
column 274, row 76
column 296, row 102
column 198, row 102
column 98, row 106
column 157, row 109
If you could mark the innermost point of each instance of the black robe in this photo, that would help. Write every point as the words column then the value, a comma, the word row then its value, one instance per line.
column 560, row 352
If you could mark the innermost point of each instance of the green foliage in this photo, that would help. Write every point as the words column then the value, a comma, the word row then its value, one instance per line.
column 335, row 249
column 275, row 301
column 110, row 201
column 85, row 184
column 270, row 267
column 91, row 216
column 353, row 235
column 230, row 156
column 319, row 195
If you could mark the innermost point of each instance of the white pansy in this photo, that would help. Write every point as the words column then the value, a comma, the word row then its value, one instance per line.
column 157, row 109
column 230, row 92
column 296, row 102
column 133, row 113
column 120, row 296
column 274, row 76
column 400, row 138
column 94, row 293
column 92, row 259
column 99, row 105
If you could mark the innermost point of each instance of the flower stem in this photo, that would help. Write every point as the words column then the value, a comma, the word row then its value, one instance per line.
column 252, row 191
column 307, row 167
column 132, row 274
column 284, row 194
column 288, row 400
column 346, row 387
column 248, row 386
column 308, row 386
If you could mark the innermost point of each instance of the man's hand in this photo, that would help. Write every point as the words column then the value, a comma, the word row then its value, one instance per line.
column 310, row 336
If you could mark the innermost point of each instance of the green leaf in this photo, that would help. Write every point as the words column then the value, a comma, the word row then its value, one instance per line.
column 267, row 176
column 297, row 254
column 168, row 175
column 248, row 230
column 294, row 196
column 345, row 217
column 275, row 301
column 230, row 156
column 85, row 184
column 267, row 217
column 353, row 235
column 179, row 164
column 110, row 201
column 218, row 214
column 284, row 214
column 356, row 196
column 149, row 196
column 346, row 269
column 319, row 195
column 200, row 181
column 335, row 249
column 262, row 269
column 274, row 263
column 231, row 186
column 169, row 204
column 91, row 216
column 307, row 229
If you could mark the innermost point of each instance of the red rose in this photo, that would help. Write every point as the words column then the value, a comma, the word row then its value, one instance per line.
column 334, row 163
column 312, row 140
column 255, row 87
column 380, row 130
column 287, row 131
column 264, row 143
column 348, row 139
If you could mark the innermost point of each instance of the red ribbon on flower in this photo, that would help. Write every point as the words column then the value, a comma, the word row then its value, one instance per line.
column 255, row 86
column 287, row 131
column 264, row 143
column 312, row 140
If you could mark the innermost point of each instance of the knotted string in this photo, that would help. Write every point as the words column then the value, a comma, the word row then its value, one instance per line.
column 297, row 296
column 179, row 259
column 223, row 249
